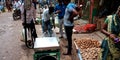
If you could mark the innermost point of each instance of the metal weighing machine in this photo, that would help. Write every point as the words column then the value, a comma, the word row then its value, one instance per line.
column 46, row 47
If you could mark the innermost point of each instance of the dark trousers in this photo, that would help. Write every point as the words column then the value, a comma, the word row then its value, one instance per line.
column 68, row 30
column 31, row 26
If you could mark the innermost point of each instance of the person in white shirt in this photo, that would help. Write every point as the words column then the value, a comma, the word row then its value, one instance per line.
column 17, row 7
column 17, row 4
column 46, row 24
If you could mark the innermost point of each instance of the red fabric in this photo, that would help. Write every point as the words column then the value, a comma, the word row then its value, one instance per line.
column 89, row 27
column 85, row 28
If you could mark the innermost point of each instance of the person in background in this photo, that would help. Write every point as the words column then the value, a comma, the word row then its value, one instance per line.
column 111, row 28
column 35, row 3
column 70, row 12
column 60, row 9
column 22, row 11
column 8, row 5
column 42, row 17
column 17, row 4
column 1, row 7
column 41, row 3
column 46, row 24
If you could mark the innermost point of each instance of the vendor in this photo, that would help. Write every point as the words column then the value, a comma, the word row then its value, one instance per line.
column 111, row 28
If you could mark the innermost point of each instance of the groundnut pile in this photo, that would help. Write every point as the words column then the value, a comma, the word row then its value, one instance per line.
column 89, row 48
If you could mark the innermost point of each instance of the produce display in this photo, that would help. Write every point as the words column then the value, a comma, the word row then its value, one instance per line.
column 89, row 48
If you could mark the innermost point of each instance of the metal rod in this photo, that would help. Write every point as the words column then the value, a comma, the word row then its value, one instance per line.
column 25, row 26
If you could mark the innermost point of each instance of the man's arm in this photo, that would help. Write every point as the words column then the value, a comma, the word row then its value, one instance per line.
column 53, row 20
column 73, row 14
column 104, row 30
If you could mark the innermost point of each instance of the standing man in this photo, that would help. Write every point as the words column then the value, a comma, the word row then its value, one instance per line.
column 60, row 9
column 70, row 12
column 30, row 19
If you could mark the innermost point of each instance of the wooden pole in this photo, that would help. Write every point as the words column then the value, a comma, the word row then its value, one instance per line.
column 91, row 10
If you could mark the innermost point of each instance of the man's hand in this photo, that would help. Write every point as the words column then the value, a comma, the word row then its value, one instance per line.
column 113, row 36
column 58, row 11
column 116, row 40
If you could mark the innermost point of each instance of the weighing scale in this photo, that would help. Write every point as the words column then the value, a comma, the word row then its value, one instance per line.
column 46, row 47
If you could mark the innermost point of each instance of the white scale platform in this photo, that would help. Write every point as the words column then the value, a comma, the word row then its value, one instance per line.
column 46, row 43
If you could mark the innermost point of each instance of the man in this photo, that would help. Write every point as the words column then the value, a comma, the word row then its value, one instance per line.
column 60, row 9
column 30, row 19
column 46, row 20
column 18, row 7
column 70, row 12
column 17, row 4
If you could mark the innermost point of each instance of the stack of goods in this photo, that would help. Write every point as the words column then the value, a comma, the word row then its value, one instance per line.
column 89, row 48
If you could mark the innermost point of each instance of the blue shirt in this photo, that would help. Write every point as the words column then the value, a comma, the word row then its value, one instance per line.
column 70, row 7
column 61, row 7
column 1, row 7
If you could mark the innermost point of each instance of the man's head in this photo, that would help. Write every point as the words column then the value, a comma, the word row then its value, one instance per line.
column 28, row 4
column 16, row 0
column 60, row 1
column 51, row 10
column 66, row 1
column 79, row 7
column 45, row 6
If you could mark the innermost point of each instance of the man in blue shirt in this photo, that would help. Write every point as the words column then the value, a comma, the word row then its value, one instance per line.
column 60, row 9
column 70, row 12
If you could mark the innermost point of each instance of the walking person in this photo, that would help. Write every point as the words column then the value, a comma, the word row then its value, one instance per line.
column 111, row 28
column 60, row 9
column 70, row 12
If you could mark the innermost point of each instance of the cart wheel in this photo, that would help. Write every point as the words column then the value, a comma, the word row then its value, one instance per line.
column 14, row 16
column 30, row 44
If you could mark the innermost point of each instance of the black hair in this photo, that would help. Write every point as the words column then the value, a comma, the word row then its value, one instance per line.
column 66, row 0
column 51, row 9
column 60, row 1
